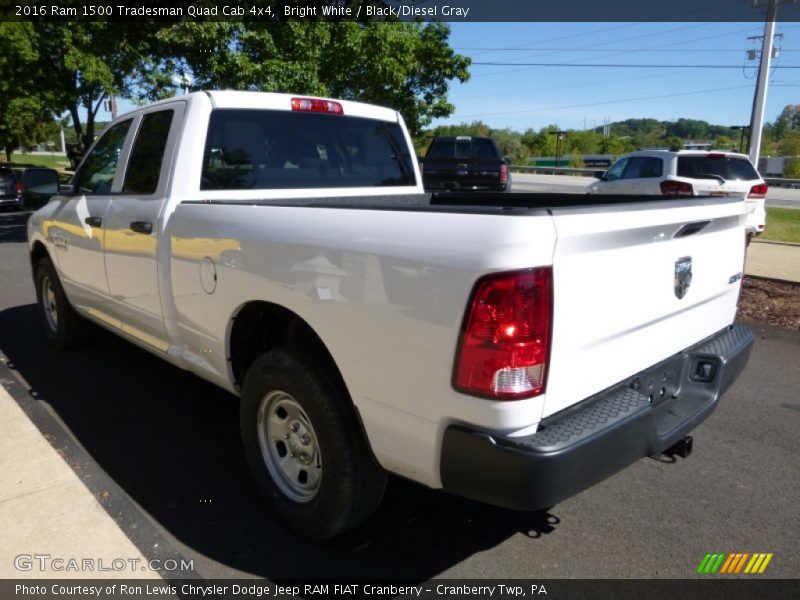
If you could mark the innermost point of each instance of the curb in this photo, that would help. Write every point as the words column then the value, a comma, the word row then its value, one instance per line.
column 777, row 243
column 773, row 279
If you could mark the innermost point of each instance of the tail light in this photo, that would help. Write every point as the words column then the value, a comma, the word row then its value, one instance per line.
column 317, row 105
column 503, row 173
column 670, row 187
column 716, row 156
column 505, row 344
column 758, row 191
column 19, row 188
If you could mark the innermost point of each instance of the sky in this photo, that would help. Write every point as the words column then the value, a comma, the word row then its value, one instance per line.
column 525, row 97
column 522, row 97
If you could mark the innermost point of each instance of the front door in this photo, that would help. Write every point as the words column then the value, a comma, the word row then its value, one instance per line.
column 76, row 228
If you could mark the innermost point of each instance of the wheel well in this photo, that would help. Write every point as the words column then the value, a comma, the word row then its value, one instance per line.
column 261, row 326
column 38, row 253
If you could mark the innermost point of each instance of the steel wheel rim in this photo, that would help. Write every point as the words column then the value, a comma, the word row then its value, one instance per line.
column 49, row 305
column 289, row 446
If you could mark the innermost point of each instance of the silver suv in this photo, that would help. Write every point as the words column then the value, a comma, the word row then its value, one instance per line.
column 688, row 173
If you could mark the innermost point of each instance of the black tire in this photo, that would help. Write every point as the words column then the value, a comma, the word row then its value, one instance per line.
column 343, row 483
column 66, row 328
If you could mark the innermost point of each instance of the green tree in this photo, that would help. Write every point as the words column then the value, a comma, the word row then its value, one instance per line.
column 673, row 142
column 792, row 169
column 723, row 142
column 790, row 145
column 614, row 144
column 23, row 108
column 407, row 66
column 510, row 144
column 73, row 66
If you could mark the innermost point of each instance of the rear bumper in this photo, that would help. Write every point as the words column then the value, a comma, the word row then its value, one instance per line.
column 10, row 201
column 583, row 445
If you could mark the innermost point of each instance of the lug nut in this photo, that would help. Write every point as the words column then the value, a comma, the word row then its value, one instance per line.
column 306, row 439
column 295, row 427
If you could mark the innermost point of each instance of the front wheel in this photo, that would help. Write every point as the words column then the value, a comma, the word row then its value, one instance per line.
column 305, row 450
column 63, row 326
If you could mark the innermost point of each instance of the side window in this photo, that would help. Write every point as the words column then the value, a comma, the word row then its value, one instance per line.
column 97, row 173
column 144, row 166
column 616, row 170
column 642, row 167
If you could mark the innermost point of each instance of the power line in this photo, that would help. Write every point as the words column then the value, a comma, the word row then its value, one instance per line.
column 604, row 82
column 655, row 49
column 648, row 35
column 594, row 45
column 587, row 104
column 619, row 65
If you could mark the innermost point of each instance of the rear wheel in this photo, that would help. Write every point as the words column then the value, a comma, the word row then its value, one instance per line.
column 305, row 450
column 63, row 326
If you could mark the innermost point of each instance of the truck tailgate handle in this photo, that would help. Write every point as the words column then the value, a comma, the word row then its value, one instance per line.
column 93, row 221
column 145, row 227
column 691, row 229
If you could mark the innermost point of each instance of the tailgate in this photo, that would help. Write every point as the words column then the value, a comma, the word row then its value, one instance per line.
column 618, row 273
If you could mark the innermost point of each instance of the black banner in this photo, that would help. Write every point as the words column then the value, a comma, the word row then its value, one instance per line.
column 735, row 588
column 389, row 10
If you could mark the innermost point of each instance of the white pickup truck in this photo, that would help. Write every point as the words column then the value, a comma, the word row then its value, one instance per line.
column 515, row 349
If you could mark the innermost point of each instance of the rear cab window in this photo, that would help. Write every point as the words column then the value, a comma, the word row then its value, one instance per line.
column 463, row 148
column 272, row 149
column 710, row 167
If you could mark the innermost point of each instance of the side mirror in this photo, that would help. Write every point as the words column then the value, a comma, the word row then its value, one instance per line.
column 599, row 175
column 507, row 160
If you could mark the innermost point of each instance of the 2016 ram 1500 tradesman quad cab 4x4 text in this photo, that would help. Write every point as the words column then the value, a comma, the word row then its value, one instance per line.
column 514, row 349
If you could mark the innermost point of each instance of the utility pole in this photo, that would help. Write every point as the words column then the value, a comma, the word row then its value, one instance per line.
column 760, row 98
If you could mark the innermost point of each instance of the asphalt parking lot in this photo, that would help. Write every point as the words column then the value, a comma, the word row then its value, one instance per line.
column 169, row 443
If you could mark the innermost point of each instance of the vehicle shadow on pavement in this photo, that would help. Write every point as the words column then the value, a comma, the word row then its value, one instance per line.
column 171, row 442
column 13, row 227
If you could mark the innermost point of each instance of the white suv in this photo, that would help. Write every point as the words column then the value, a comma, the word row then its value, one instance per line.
column 688, row 173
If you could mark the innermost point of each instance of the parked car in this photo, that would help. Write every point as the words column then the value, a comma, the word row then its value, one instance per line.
column 688, row 173
column 10, row 189
column 510, row 348
column 465, row 163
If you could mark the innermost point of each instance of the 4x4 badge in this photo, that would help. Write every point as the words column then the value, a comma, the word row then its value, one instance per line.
column 683, row 276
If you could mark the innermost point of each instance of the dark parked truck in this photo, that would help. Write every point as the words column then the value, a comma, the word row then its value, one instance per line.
column 465, row 163
column 510, row 348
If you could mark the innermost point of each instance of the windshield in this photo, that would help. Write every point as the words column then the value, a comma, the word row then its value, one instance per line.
column 267, row 149
column 727, row 167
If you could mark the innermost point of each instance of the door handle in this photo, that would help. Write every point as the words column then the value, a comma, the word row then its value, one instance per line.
column 93, row 221
column 145, row 227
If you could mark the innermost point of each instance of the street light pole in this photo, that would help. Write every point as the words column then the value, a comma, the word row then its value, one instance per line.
column 559, row 136
column 741, row 129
